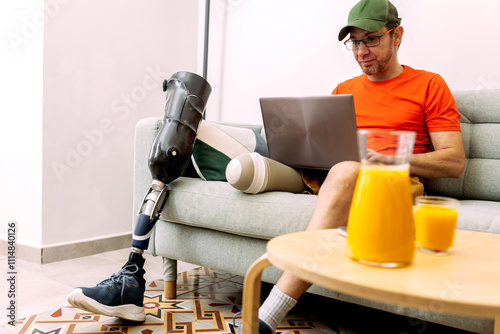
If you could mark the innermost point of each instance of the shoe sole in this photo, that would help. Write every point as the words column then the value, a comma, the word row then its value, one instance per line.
column 127, row 312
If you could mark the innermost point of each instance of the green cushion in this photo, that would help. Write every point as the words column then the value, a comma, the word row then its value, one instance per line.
column 216, row 145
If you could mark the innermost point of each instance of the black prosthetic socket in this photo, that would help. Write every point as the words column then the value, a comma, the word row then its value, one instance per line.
column 187, row 95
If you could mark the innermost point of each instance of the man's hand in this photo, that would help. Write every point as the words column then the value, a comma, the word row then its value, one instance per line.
column 375, row 157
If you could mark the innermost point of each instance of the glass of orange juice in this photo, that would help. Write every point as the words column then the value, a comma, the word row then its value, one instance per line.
column 435, row 223
column 380, row 228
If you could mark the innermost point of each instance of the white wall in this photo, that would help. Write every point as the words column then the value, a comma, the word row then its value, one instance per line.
column 101, row 75
column 21, row 68
column 290, row 47
column 67, row 161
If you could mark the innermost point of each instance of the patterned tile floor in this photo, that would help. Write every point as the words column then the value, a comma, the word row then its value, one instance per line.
column 206, row 303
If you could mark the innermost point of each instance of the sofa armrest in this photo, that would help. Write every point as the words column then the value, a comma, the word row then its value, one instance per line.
column 145, row 132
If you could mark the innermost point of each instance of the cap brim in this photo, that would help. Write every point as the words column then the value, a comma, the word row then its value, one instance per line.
column 365, row 24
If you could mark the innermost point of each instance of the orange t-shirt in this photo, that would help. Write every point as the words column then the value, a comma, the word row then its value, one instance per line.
column 415, row 100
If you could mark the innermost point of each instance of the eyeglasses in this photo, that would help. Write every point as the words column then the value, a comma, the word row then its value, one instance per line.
column 368, row 42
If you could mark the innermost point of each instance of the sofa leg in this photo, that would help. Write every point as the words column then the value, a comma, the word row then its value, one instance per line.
column 170, row 278
column 170, row 289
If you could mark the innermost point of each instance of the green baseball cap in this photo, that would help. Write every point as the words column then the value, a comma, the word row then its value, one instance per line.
column 370, row 15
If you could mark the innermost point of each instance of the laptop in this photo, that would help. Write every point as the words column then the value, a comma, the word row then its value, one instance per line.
column 310, row 132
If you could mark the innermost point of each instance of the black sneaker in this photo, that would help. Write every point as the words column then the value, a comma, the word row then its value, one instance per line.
column 121, row 295
column 263, row 327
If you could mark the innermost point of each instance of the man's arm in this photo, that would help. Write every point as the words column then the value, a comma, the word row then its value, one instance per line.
column 447, row 159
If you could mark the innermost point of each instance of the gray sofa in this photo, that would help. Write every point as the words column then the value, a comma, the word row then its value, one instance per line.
column 209, row 223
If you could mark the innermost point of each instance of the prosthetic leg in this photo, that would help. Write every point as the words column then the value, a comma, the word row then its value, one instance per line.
column 122, row 294
column 187, row 95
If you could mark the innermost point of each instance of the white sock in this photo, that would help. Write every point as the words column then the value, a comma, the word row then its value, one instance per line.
column 275, row 308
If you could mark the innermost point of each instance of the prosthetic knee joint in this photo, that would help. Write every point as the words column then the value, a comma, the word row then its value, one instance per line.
column 187, row 95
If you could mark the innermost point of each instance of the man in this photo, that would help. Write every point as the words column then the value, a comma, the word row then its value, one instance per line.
column 391, row 96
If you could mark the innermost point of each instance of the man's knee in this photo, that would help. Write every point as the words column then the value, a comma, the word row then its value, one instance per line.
column 345, row 171
column 341, row 178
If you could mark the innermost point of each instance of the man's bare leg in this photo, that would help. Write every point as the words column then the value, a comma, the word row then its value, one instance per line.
column 331, row 211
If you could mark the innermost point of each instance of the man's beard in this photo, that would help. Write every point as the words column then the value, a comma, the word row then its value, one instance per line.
column 378, row 65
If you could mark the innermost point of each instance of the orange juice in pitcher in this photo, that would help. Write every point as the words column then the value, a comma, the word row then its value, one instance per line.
column 380, row 229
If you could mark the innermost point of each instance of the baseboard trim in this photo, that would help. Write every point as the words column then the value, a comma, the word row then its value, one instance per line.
column 49, row 254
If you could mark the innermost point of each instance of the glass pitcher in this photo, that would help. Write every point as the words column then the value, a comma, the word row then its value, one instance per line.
column 380, row 229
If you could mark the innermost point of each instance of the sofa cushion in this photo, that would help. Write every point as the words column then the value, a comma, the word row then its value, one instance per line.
column 218, row 206
column 483, row 216
column 217, row 144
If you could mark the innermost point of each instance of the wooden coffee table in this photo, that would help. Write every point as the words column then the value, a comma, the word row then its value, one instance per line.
column 465, row 282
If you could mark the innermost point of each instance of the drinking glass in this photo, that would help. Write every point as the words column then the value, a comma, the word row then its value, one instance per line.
column 435, row 223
